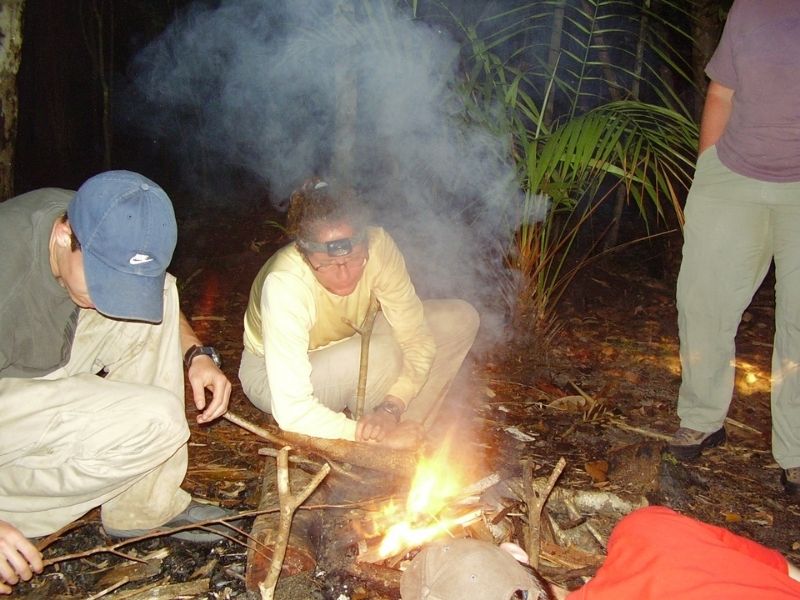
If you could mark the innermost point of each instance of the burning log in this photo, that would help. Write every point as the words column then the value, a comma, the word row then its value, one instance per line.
column 438, row 504
column 400, row 463
column 373, row 552
column 386, row 579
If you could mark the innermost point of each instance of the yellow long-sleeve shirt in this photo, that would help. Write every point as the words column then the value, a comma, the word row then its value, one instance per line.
column 290, row 314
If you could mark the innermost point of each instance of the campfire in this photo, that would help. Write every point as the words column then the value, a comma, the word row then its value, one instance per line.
column 438, row 504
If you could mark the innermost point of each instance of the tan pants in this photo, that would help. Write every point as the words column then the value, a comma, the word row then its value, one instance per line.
column 735, row 227
column 334, row 369
column 71, row 440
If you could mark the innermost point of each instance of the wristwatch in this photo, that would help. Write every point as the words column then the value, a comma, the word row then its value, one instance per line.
column 196, row 350
column 393, row 408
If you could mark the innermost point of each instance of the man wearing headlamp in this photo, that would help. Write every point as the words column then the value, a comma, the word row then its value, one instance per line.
column 301, row 358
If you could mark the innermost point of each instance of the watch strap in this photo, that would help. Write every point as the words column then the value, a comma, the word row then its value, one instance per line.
column 393, row 408
column 195, row 350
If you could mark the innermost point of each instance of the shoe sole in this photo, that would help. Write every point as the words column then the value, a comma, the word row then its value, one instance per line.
column 691, row 452
column 790, row 487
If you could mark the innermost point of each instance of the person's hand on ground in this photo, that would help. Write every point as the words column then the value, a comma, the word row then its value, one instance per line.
column 19, row 558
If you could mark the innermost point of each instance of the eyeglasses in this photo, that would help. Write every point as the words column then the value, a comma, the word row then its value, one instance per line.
column 354, row 261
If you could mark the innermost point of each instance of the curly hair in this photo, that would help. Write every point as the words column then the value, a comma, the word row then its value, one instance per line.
column 317, row 203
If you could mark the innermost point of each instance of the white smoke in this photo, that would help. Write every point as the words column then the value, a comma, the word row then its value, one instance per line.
column 252, row 85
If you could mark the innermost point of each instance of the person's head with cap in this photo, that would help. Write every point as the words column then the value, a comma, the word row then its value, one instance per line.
column 126, row 232
column 468, row 569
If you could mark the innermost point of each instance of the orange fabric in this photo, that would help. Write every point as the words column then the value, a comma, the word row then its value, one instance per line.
column 656, row 554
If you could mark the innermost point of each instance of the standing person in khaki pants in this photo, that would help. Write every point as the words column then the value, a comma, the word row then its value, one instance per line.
column 91, row 369
column 743, row 212
column 301, row 357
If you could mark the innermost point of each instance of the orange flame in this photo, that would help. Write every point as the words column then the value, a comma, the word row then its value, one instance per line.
column 435, row 483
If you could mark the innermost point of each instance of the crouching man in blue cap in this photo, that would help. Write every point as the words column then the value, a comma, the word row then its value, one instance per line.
column 92, row 352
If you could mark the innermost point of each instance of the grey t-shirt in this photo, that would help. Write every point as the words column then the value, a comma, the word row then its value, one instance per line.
column 37, row 316
column 759, row 58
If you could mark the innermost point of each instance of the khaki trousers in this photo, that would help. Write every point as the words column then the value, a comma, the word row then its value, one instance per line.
column 71, row 440
column 735, row 227
column 334, row 369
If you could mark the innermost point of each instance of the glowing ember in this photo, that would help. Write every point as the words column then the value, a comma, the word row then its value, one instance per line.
column 435, row 483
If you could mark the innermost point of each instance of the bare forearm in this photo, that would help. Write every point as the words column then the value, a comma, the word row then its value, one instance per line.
column 188, row 336
column 716, row 112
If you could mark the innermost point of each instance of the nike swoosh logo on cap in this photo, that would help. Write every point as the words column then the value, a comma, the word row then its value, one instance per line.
column 140, row 259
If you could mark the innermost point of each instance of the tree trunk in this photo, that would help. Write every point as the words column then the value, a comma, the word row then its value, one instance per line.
column 553, row 55
column 706, row 30
column 99, row 36
column 346, row 99
column 621, row 195
column 10, row 55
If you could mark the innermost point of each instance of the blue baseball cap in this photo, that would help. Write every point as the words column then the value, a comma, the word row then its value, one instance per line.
column 126, row 227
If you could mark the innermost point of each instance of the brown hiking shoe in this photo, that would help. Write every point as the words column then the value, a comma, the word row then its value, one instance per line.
column 790, row 478
column 687, row 444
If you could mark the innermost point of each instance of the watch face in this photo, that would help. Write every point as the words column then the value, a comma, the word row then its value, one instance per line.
column 209, row 351
column 212, row 352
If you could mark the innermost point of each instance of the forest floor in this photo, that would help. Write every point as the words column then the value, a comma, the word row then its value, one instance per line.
column 614, row 355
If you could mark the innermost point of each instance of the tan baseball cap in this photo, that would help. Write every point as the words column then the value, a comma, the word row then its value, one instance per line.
column 467, row 569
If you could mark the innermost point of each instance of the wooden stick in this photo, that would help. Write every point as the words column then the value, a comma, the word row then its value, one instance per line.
column 645, row 432
column 157, row 532
column 300, row 555
column 535, row 502
column 335, row 468
column 289, row 503
column 253, row 428
column 365, row 330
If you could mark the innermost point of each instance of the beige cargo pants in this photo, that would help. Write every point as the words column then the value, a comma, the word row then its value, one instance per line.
column 735, row 227
column 72, row 441
column 334, row 369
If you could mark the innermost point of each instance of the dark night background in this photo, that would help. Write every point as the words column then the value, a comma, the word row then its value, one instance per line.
column 60, row 132
column 60, row 137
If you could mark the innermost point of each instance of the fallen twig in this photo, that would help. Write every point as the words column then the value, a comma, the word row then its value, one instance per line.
column 741, row 425
column 645, row 432
column 300, row 460
column 45, row 542
column 109, row 589
column 535, row 502
column 112, row 548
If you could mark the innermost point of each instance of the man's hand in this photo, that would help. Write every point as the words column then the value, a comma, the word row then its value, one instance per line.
column 204, row 375
column 19, row 559
column 381, row 427
column 374, row 426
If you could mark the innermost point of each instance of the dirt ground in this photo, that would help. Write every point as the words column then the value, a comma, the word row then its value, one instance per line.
column 615, row 354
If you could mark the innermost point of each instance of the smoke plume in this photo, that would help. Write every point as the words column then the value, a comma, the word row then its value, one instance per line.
column 282, row 90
